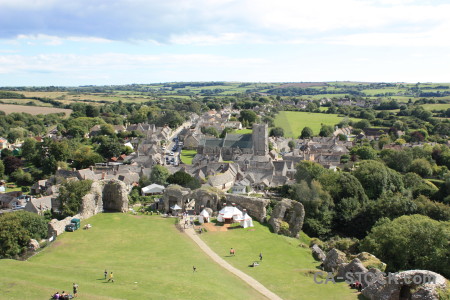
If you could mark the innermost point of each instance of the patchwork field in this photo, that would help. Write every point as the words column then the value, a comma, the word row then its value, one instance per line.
column 149, row 257
column 33, row 110
column 286, row 269
column 293, row 121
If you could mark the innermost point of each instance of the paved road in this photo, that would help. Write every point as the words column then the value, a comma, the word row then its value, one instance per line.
column 248, row 279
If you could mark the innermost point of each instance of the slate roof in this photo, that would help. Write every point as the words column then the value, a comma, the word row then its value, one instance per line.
column 238, row 141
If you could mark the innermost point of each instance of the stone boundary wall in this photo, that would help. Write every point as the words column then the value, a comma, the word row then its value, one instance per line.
column 256, row 207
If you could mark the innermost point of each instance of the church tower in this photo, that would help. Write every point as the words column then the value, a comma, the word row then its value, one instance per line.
column 260, row 139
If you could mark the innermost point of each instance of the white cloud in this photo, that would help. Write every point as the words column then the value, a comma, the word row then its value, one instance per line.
column 70, row 63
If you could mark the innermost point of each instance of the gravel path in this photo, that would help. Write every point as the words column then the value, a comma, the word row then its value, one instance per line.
column 248, row 279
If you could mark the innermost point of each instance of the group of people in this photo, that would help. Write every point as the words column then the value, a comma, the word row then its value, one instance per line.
column 110, row 277
column 65, row 296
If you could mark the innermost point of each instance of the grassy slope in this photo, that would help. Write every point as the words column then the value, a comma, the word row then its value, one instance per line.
column 286, row 269
column 293, row 122
column 149, row 257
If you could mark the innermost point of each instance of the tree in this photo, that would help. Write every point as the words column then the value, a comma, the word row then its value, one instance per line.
column 411, row 242
column 210, row 130
column 377, row 179
column 365, row 152
column 15, row 134
column 362, row 124
column 306, row 133
column 16, row 230
column 85, row 157
column 159, row 175
column 422, row 167
column 277, row 132
column 291, row 145
column 318, row 207
column 22, row 178
column 308, row 171
column 184, row 179
column 326, row 130
column 70, row 196
column 12, row 163
column 249, row 116
column 397, row 160
column 107, row 129
column 2, row 169
column 29, row 149
column 110, row 147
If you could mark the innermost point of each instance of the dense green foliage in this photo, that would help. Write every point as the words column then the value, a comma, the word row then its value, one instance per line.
column 159, row 175
column 184, row 179
column 70, row 196
column 411, row 242
column 16, row 230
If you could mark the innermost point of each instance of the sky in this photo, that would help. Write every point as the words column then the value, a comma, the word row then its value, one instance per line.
column 108, row 42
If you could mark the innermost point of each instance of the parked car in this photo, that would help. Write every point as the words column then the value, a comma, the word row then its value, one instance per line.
column 171, row 153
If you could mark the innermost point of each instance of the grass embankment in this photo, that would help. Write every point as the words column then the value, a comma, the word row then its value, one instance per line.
column 286, row 269
column 294, row 121
column 149, row 257
column 187, row 156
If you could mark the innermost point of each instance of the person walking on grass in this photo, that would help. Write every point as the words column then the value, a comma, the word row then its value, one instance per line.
column 194, row 269
column 232, row 252
column 260, row 255
column 75, row 289
column 106, row 274
column 111, row 277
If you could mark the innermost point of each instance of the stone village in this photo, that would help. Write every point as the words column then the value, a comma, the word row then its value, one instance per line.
column 235, row 170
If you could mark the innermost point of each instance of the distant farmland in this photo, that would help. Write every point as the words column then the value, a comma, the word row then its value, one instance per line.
column 294, row 121
column 33, row 110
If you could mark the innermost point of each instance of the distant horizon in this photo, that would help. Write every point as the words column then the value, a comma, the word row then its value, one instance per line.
column 225, row 81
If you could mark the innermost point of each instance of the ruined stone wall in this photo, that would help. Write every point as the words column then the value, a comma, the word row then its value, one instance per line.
column 207, row 198
column 55, row 227
column 115, row 195
column 256, row 207
column 175, row 194
column 289, row 211
column 109, row 195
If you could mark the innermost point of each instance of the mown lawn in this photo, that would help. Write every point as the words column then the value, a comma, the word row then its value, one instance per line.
column 286, row 269
column 294, row 121
column 149, row 257
column 187, row 156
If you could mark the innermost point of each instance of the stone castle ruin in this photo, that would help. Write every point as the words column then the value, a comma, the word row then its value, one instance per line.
column 286, row 210
column 105, row 195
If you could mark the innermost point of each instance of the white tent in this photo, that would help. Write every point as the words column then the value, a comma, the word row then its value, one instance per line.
column 246, row 221
column 229, row 213
column 152, row 189
column 175, row 207
column 203, row 216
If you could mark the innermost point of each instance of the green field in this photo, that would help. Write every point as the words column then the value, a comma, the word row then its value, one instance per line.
column 438, row 106
column 286, row 269
column 187, row 156
column 149, row 257
column 294, row 121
